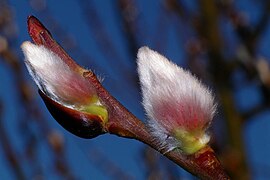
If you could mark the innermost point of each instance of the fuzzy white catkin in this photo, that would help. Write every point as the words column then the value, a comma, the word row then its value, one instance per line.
column 53, row 77
column 173, row 98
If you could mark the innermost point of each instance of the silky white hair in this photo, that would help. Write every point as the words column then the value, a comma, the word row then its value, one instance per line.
column 54, row 77
column 173, row 98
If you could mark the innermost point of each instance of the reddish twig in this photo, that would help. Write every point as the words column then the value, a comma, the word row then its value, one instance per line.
column 203, row 163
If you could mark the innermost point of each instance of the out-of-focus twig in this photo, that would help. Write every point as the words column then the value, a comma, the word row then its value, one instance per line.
column 209, row 30
column 151, row 159
column 128, row 14
column 105, row 165
column 8, row 149
column 102, row 37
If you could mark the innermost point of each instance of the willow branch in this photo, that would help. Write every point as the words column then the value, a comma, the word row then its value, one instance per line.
column 203, row 163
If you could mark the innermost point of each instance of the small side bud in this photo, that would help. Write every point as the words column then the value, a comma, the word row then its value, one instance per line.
column 79, row 123
column 179, row 107
column 71, row 99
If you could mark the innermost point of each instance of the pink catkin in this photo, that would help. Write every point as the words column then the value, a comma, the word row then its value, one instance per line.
column 74, row 89
column 174, row 100
column 55, row 78
column 184, row 115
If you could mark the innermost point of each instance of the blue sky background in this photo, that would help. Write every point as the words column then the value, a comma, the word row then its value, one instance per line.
column 124, row 153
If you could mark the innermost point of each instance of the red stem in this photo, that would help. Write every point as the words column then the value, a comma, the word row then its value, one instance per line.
column 203, row 164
